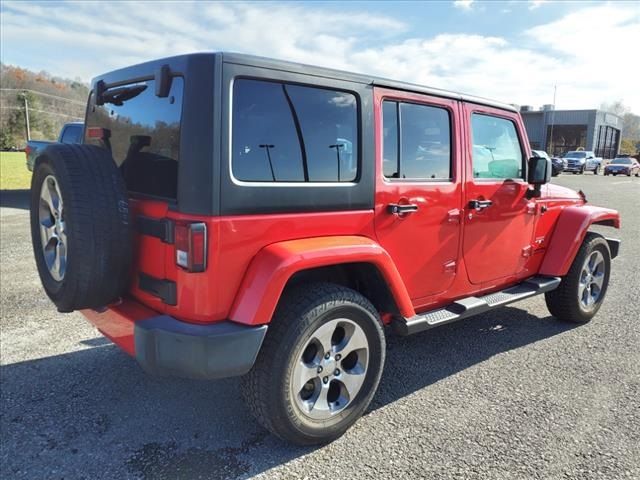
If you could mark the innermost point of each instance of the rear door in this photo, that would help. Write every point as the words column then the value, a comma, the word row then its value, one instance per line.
column 418, row 187
column 499, row 219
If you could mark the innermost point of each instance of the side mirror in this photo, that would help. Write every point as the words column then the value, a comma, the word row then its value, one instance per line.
column 539, row 173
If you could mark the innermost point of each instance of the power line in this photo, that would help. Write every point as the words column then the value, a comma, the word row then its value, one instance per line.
column 31, row 109
column 44, row 94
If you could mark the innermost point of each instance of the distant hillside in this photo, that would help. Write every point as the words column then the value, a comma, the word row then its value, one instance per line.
column 52, row 101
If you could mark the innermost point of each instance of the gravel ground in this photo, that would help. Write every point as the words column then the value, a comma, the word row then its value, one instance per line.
column 511, row 394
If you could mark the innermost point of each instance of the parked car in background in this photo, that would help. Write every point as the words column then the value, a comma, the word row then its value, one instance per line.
column 71, row 133
column 580, row 161
column 557, row 164
column 624, row 166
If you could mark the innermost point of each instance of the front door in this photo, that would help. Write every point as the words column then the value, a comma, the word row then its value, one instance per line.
column 499, row 219
column 418, row 187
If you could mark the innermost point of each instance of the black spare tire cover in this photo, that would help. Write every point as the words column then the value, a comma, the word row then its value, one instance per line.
column 80, row 227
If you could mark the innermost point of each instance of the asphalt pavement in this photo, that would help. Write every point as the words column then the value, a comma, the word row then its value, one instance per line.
column 510, row 394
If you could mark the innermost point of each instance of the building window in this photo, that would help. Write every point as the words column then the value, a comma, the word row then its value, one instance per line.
column 565, row 138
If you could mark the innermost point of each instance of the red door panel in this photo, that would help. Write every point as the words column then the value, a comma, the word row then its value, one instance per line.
column 424, row 242
column 499, row 219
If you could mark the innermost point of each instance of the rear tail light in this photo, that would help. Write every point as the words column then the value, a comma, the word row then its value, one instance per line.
column 27, row 150
column 191, row 246
column 97, row 132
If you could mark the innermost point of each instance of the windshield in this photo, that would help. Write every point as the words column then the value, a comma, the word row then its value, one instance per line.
column 622, row 161
column 575, row 155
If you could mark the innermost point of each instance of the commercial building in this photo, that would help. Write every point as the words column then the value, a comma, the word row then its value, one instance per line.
column 559, row 131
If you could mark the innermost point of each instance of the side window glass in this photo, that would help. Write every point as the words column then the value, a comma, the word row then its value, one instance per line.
column 265, row 145
column 496, row 148
column 422, row 143
column 328, row 124
column 390, row 157
column 425, row 149
column 293, row 133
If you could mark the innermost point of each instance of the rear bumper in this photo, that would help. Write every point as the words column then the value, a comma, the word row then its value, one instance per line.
column 163, row 345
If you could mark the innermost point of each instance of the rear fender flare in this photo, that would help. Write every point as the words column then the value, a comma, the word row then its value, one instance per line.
column 571, row 227
column 272, row 267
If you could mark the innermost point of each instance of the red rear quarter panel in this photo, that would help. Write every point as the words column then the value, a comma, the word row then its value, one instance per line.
column 276, row 263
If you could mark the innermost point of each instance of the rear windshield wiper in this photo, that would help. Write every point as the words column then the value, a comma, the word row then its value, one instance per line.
column 117, row 96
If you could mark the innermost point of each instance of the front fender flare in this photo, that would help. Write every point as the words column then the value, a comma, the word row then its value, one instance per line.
column 273, row 266
column 571, row 227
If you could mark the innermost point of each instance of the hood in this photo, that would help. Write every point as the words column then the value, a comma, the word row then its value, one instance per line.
column 551, row 190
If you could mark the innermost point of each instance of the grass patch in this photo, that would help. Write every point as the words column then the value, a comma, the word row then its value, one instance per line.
column 13, row 171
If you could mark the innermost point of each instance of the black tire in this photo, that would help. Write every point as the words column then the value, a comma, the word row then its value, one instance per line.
column 582, row 170
column 267, row 387
column 564, row 302
column 95, row 215
column 596, row 170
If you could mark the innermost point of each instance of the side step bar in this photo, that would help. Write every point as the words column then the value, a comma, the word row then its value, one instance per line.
column 467, row 307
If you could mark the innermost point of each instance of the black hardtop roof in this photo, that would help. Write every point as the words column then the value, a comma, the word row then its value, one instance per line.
column 180, row 62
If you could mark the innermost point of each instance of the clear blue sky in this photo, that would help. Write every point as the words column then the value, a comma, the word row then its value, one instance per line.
column 515, row 51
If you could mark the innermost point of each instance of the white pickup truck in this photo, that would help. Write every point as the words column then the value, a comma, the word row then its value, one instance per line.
column 580, row 161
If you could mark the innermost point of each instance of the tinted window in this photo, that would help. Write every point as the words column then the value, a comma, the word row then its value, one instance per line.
column 293, row 133
column 425, row 141
column 72, row 134
column 143, row 135
column 496, row 148
column 390, row 157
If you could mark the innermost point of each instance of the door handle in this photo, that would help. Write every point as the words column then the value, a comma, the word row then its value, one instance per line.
column 480, row 204
column 397, row 209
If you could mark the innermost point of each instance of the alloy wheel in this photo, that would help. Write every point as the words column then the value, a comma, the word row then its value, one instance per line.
column 331, row 369
column 53, row 235
column 591, row 280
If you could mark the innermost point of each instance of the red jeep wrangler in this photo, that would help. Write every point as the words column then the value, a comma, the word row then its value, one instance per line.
column 230, row 215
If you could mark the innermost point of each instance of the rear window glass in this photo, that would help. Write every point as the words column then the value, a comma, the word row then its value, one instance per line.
column 143, row 134
column 292, row 133
column 72, row 134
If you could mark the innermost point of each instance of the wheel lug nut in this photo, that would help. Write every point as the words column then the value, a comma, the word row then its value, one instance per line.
column 337, row 372
column 319, row 369
column 327, row 355
column 325, row 379
column 338, row 357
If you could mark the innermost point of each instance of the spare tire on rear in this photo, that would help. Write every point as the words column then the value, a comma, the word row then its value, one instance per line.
column 80, row 226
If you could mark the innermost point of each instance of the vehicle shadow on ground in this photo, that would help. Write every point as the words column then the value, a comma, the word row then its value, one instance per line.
column 14, row 199
column 97, row 402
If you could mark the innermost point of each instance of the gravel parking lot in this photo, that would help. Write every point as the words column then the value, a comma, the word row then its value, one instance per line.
column 511, row 394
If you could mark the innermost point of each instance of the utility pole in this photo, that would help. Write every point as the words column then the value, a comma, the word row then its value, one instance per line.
column 26, row 116
column 553, row 115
